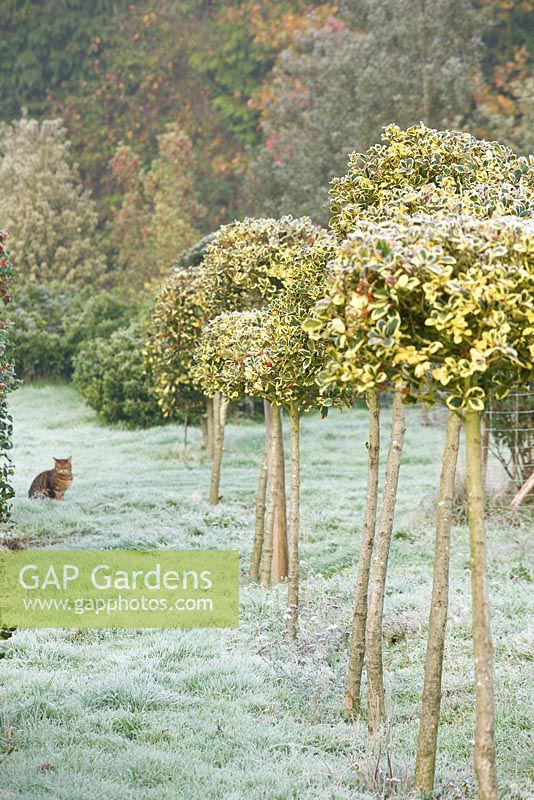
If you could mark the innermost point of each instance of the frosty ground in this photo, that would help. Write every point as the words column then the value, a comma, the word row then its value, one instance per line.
column 242, row 714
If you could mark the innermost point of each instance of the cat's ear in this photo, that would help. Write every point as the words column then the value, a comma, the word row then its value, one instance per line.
column 69, row 458
column 56, row 459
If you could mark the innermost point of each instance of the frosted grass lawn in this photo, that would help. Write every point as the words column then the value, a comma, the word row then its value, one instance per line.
column 243, row 715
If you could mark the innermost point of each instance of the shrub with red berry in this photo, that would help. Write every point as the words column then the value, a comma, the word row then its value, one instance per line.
column 250, row 262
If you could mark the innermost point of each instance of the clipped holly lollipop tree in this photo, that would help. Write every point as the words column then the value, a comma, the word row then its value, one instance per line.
column 457, row 327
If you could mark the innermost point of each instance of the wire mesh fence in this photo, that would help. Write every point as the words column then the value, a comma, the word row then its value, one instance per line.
column 508, row 445
column 509, row 442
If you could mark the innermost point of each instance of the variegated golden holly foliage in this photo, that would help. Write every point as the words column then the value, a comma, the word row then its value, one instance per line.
column 266, row 352
column 297, row 360
column 233, row 353
column 173, row 335
column 262, row 353
column 250, row 261
column 429, row 171
column 443, row 306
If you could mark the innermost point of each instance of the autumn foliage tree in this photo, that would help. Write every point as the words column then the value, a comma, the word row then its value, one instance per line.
column 227, row 74
column 140, row 79
column 148, row 64
column 334, row 88
column 158, row 211
column 504, row 100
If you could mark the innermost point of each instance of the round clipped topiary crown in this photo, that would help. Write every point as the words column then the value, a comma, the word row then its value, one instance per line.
column 442, row 306
column 430, row 171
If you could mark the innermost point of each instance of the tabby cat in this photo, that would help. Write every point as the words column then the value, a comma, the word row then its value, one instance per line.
column 54, row 482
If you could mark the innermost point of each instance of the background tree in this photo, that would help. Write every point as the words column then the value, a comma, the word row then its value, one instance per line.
column 48, row 49
column 141, row 80
column 158, row 209
column 504, row 107
column 125, row 70
column 332, row 91
column 52, row 221
column 50, row 322
column 122, row 71
column 235, row 51
column 504, row 99
column 430, row 52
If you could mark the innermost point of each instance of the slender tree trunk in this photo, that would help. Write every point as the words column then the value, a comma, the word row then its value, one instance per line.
column 425, row 415
column 186, row 425
column 204, row 429
column 430, row 705
column 359, row 619
column 483, row 648
column 220, row 408
column 217, row 400
column 375, row 677
column 254, row 570
column 209, row 427
column 522, row 493
column 274, row 566
column 216, row 451
column 279, row 567
column 293, row 583
column 267, row 549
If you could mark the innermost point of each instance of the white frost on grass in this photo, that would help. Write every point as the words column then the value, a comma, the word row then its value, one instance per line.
column 203, row 715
